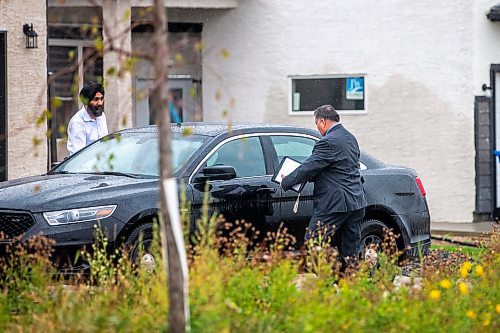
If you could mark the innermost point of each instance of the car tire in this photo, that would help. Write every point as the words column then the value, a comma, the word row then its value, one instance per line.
column 139, row 244
column 372, row 233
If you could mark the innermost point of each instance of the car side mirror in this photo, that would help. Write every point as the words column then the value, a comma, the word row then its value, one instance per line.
column 216, row 172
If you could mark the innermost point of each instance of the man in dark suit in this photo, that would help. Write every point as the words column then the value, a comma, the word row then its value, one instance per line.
column 338, row 197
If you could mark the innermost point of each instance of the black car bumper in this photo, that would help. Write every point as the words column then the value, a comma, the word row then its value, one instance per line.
column 419, row 249
column 418, row 230
column 67, row 240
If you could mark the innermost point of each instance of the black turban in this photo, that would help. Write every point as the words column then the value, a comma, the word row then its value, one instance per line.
column 89, row 90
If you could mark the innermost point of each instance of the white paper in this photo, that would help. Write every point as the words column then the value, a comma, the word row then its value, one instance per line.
column 287, row 168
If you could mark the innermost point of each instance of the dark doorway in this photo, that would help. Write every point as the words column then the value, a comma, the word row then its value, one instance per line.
column 495, row 107
column 485, row 160
column 3, row 105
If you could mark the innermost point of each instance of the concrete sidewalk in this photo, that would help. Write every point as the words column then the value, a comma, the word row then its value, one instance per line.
column 463, row 229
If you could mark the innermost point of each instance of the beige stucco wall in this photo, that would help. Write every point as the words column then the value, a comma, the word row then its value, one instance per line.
column 26, row 87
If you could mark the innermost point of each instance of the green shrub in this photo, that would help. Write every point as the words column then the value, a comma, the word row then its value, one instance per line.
column 248, row 290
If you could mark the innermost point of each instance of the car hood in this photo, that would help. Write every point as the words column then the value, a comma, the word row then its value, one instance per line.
column 63, row 191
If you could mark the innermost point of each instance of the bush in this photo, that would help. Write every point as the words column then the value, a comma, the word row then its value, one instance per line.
column 250, row 290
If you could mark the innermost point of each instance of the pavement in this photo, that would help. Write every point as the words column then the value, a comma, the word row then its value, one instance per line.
column 463, row 229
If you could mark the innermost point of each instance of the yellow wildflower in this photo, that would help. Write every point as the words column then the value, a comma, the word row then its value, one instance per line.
column 471, row 314
column 486, row 319
column 467, row 265
column 479, row 270
column 446, row 284
column 497, row 308
column 463, row 288
column 434, row 294
column 465, row 269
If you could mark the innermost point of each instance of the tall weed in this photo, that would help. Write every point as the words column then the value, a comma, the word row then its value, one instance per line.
column 246, row 288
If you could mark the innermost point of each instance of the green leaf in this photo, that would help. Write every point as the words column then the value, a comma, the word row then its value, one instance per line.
column 111, row 71
column 99, row 45
column 192, row 92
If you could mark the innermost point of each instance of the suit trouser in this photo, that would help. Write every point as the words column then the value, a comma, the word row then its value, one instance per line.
column 345, row 228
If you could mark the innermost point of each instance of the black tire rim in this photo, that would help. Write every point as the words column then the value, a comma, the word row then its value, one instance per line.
column 141, row 249
column 371, row 239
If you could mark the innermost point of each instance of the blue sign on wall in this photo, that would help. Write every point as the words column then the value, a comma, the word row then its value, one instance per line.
column 355, row 87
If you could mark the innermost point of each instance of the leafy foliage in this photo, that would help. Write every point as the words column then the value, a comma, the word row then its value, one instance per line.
column 250, row 290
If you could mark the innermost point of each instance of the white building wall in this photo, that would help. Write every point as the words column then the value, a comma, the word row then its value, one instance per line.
column 26, row 87
column 486, row 44
column 418, row 58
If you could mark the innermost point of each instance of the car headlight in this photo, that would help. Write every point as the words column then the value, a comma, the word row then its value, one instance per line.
column 78, row 215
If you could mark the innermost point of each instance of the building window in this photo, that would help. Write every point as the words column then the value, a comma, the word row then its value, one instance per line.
column 346, row 93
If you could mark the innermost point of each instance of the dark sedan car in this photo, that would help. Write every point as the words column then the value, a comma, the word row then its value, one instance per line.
column 114, row 181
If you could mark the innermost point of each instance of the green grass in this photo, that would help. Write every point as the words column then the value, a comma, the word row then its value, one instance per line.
column 474, row 253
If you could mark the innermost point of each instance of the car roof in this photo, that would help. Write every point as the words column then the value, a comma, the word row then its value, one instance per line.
column 213, row 129
column 216, row 128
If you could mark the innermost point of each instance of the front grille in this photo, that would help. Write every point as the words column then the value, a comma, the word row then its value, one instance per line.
column 13, row 224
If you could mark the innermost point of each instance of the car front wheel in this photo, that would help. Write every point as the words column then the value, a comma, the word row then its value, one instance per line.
column 139, row 244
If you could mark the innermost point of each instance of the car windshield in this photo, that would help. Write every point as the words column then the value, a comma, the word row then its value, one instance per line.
column 131, row 154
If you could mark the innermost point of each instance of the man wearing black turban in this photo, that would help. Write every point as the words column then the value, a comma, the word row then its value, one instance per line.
column 89, row 123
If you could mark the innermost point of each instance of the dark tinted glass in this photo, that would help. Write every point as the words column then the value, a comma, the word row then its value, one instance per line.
column 296, row 147
column 245, row 155
column 342, row 93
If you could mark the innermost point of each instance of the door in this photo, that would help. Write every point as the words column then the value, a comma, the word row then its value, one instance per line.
column 250, row 197
column 495, row 104
column 3, row 105
column 299, row 148
column 183, row 107
column 72, row 65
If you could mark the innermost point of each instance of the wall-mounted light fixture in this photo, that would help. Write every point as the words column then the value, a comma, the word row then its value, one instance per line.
column 494, row 13
column 484, row 87
column 487, row 91
column 31, row 36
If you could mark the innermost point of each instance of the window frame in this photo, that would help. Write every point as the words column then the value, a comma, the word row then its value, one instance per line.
column 236, row 165
column 4, row 110
column 79, row 44
column 326, row 76
column 262, row 136
column 197, row 169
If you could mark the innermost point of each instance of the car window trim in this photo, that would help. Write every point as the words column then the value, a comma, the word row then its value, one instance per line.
column 247, row 135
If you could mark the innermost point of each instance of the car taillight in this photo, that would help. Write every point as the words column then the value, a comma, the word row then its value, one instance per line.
column 420, row 186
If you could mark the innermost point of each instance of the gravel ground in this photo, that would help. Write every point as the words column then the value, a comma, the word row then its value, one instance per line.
column 442, row 259
column 434, row 260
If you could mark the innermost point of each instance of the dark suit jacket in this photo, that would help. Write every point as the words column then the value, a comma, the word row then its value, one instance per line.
column 334, row 169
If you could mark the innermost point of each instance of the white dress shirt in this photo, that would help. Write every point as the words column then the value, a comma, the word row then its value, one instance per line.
column 83, row 130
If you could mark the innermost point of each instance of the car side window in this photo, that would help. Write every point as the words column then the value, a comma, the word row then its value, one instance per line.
column 297, row 147
column 245, row 155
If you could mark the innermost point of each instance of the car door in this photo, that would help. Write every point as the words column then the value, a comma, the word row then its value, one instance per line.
column 298, row 147
column 251, row 196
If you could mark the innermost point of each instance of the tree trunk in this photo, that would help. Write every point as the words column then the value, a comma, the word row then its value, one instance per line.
column 172, row 238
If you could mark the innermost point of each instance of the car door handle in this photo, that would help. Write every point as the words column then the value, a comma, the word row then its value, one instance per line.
column 266, row 190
